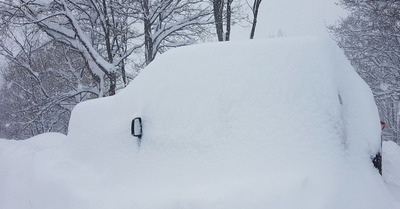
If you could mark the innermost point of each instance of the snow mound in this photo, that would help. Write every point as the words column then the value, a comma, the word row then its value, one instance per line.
column 391, row 167
column 281, row 123
column 20, row 160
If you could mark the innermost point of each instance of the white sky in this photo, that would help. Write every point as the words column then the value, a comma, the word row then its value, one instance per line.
column 293, row 18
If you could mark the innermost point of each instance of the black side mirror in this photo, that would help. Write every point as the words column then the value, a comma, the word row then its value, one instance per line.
column 136, row 127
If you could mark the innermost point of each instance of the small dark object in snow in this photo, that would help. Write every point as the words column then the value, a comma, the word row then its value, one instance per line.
column 377, row 161
column 136, row 127
column 340, row 99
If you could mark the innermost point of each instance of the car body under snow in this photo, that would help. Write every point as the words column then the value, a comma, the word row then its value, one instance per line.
column 278, row 123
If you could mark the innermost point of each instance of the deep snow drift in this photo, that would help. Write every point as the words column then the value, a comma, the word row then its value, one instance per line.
column 281, row 123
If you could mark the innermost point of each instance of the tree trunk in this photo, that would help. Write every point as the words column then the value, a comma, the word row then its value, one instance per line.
column 228, row 20
column 256, row 6
column 123, row 72
column 148, row 42
column 113, row 83
column 218, row 18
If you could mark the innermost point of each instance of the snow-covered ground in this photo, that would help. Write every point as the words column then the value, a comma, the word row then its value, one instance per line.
column 391, row 167
column 279, row 123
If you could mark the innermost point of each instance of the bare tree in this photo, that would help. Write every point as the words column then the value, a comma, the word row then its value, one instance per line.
column 98, row 29
column 42, row 83
column 106, row 32
column 370, row 38
column 173, row 23
column 225, row 14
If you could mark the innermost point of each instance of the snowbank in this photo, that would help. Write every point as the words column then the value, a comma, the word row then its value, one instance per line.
column 283, row 123
column 391, row 167
column 19, row 162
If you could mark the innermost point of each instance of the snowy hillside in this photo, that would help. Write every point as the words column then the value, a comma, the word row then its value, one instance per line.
column 282, row 123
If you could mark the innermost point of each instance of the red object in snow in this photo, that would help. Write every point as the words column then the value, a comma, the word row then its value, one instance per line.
column 383, row 124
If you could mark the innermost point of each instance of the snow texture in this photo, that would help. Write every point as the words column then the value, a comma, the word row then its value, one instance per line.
column 391, row 167
column 226, row 125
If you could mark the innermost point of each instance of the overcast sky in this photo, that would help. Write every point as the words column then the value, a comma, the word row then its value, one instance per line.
column 293, row 18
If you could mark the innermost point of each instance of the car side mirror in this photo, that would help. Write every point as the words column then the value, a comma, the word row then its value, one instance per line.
column 136, row 127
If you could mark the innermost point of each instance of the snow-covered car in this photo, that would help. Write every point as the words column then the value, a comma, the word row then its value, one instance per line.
column 278, row 123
